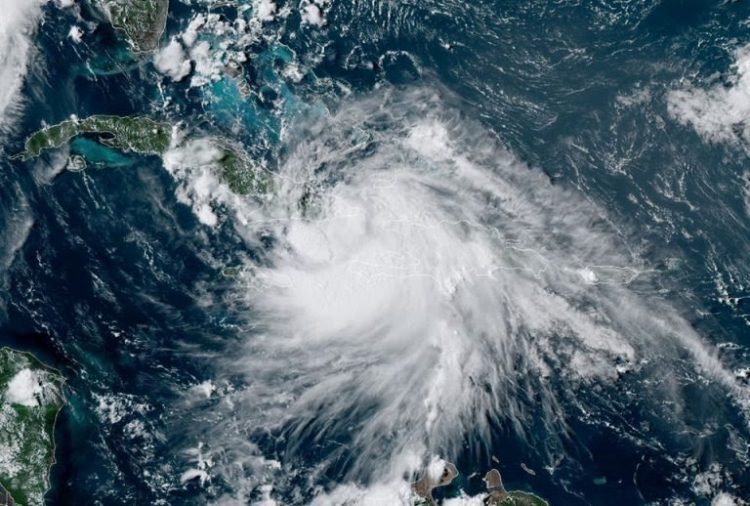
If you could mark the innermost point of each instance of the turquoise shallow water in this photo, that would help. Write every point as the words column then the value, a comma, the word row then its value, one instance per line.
column 108, row 274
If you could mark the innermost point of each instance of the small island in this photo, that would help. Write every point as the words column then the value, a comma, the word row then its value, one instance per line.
column 443, row 475
column 30, row 399
column 142, row 22
column 144, row 136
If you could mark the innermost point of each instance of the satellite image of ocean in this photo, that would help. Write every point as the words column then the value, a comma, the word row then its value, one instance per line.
column 374, row 252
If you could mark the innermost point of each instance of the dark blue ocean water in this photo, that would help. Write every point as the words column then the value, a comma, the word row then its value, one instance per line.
column 117, row 284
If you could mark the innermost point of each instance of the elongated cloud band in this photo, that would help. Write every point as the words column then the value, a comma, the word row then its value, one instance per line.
column 17, row 25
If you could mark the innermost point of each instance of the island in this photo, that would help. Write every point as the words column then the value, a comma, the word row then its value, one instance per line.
column 444, row 474
column 137, row 134
column 144, row 136
column 240, row 174
column 31, row 397
column 432, row 479
column 498, row 496
column 142, row 22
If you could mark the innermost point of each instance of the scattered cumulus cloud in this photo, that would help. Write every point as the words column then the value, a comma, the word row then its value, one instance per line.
column 719, row 113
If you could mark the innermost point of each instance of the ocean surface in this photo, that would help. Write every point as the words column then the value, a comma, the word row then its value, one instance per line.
column 505, row 234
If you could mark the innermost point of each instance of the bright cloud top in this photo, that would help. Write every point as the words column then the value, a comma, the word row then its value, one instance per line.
column 424, row 282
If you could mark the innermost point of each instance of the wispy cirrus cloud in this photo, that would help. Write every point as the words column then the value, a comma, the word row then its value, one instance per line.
column 18, row 24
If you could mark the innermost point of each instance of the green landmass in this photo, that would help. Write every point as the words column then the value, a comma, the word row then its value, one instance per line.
column 241, row 174
column 496, row 493
column 498, row 496
column 145, row 136
column 126, row 133
column 142, row 22
column 516, row 498
column 30, row 399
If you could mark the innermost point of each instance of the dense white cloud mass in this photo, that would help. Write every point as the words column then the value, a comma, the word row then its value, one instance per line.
column 265, row 10
column 23, row 388
column 171, row 60
column 423, row 282
column 313, row 12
